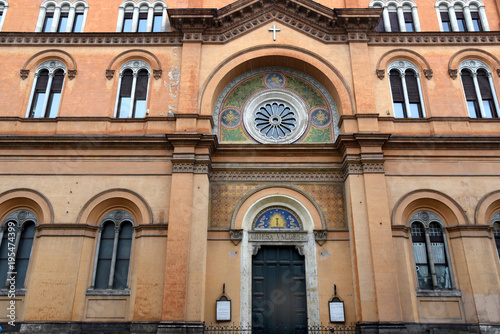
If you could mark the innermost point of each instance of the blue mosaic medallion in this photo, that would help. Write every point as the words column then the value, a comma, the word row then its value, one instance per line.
column 275, row 80
column 230, row 118
column 277, row 218
column 320, row 117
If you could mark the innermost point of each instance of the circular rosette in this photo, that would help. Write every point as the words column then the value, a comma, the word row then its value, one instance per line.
column 320, row 117
column 275, row 80
column 230, row 118
column 275, row 120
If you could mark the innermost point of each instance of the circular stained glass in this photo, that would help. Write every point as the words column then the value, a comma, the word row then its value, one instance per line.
column 275, row 116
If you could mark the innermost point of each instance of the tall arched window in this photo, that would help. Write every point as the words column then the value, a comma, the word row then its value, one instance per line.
column 397, row 16
column 405, row 89
column 459, row 15
column 114, row 248
column 495, row 223
column 4, row 5
column 430, row 252
column 133, row 90
column 482, row 101
column 17, row 233
column 47, row 89
column 65, row 16
column 142, row 16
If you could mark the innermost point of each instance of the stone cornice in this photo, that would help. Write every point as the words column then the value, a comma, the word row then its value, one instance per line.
column 277, row 176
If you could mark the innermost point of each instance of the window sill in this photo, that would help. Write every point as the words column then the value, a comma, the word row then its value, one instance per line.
column 439, row 293
column 17, row 292
column 107, row 292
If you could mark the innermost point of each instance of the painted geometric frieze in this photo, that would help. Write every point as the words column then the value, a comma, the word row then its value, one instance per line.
column 277, row 218
column 225, row 197
column 275, row 106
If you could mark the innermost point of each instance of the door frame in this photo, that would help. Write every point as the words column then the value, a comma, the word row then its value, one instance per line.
column 304, row 241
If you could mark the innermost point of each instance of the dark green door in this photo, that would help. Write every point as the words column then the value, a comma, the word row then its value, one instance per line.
column 279, row 291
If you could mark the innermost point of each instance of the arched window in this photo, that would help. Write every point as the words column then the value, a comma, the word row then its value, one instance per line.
column 114, row 248
column 495, row 223
column 16, row 241
column 430, row 252
column 458, row 15
column 62, row 16
column 4, row 5
column 482, row 101
column 133, row 90
column 142, row 17
column 405, row 89
column 47, row 89
column 397, row 16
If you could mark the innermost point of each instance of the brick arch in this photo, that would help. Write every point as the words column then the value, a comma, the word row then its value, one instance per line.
column 459, row 57
column 24, row 198
column 487, row 206
column 150, row 58
column 101, row 204
column 282, row 56
column 292, row 198
column 38, row 58
column 427, row 199
column 414, row 57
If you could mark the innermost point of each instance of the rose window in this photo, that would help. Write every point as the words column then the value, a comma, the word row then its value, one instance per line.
column 275, row 120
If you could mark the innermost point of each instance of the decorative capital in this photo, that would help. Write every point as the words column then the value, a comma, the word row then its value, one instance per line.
column 236, row 236
column 157, row 74
column 320, row 236
column 428, row 73
column 24, row 74
column 71, row 74
column 255, row 249
column 380, row 74
column 110, row 74
column 453, row 73
column 201, row 168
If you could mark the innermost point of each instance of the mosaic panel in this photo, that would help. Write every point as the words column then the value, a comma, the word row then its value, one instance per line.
column 224, row 197
column 233, row 107
column 277, row 218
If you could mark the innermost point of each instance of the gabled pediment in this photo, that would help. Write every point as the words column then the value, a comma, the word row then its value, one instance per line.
column 313, row 19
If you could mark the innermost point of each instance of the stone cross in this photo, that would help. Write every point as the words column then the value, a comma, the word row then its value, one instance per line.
column 274, row 30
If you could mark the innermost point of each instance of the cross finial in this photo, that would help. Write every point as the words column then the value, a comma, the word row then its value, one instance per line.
column 274, row 30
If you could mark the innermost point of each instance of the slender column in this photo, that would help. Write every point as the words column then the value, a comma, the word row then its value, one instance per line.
column 484, row 20
column 135, row 19
column 132, row 95
column 16, row 247
column 478, row 94
column 31, row 95
column 453, row 19
column 405, row 94
column 416, row 20
column 421, row 96
column 85, row 19
column 164, row 20
column 113, row 258
column 448, row 259
column 117, row 111
column 468, row 19
column 71, row 19
column 401, row 19
column 55, row 20
column 495, row 99
column 387, row 22
column 431, row 258
column 119, row 23
column 149, row 24
column 41, row 18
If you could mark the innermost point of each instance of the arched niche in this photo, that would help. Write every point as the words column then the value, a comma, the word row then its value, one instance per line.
column 487, row 206
column 30, row 199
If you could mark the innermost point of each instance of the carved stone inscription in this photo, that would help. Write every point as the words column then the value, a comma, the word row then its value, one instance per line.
column 280, row 236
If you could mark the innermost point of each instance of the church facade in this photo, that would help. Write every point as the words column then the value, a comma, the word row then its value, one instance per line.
column 275, row 165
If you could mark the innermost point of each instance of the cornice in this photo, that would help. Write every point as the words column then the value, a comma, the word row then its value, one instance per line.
column 443, row 142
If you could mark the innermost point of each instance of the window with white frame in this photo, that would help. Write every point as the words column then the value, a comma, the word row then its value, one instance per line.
column 495, row 224
column 406, row 92
column 17, row 233
column 113, row 251
column 47, row 90
column 4, row 5
column 430, row 252
column 477, row 81
column 397, row 16
column 63, row 16
column 459, row 15
column 132, row 92
column 142, row 16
